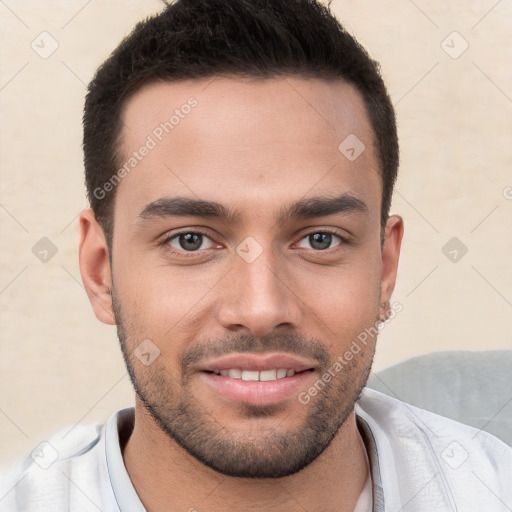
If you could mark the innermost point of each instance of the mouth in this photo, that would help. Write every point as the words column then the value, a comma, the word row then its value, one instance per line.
column 255, row 375
column 257, row 379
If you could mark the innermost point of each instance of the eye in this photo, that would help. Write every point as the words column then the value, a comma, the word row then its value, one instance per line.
column 189, row 241
column 320, row 240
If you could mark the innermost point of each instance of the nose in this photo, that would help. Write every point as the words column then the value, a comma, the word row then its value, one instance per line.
column 258, row 297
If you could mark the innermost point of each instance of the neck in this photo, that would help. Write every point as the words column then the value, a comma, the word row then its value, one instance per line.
column 163, row 473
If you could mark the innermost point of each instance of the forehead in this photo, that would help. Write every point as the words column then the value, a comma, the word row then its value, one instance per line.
column 246, row 142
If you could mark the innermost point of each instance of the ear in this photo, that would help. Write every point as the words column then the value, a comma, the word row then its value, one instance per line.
column 390, row 254
column 95, row 267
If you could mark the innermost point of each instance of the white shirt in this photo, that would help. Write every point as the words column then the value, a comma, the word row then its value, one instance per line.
column 419, row 461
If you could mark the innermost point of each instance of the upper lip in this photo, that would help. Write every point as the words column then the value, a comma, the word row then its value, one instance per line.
column 259, row 362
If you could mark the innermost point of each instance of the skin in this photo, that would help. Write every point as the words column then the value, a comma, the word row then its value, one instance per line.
column 255, row 147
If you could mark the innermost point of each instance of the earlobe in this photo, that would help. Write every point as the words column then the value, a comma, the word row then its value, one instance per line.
column 95, row 266
column 390, row 256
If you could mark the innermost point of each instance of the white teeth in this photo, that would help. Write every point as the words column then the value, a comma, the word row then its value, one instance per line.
column 250, row 375
column 268, row 375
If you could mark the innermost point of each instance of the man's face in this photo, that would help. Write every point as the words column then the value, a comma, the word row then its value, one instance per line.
column 282, row 272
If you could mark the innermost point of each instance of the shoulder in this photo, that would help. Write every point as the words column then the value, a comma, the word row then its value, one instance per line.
column 54, row 470
column 394, row 415
column 467, row 464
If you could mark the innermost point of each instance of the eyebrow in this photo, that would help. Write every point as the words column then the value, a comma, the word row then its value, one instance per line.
column 299, row 210
column 187, row 207
column 321, row 207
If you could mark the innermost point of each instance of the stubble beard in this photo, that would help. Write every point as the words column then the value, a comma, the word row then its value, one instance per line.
column 259, row 452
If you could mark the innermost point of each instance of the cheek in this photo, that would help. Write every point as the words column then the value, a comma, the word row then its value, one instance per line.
column 350, row 303
column 161, row 304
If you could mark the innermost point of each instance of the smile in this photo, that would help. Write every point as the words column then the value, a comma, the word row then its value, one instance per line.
column 254, row 375
column 251, row 387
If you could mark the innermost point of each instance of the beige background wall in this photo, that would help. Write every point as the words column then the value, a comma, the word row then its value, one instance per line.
column 60, row 366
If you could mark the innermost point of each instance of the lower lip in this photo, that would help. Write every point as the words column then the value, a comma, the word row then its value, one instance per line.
column 258, row 392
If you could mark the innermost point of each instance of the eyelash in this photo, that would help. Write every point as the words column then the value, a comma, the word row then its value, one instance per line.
column 197, row 231
column 183, row 253
column 344, row 241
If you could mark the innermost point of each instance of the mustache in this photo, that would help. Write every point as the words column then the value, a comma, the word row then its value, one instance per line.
column 291, row 344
